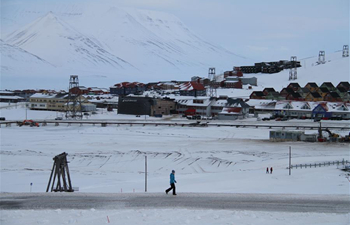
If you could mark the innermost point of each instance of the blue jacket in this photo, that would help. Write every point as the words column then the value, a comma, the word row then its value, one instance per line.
column 172, row 178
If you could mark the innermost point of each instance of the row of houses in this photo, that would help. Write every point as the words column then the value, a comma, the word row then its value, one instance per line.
column 310, row 92
column 185, row 88
column 24, row 95
column 82, row 90
column 298, row 109
column 225, row 108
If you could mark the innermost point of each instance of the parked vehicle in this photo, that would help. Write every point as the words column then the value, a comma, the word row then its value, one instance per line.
column 29, row 123
column 59, row 118
column 2, row 118
column 317, row 119
column 194, row 117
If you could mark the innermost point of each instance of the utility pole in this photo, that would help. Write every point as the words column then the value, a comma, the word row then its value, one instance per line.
column 26, row 110
column 290, row 160
column 145, row 173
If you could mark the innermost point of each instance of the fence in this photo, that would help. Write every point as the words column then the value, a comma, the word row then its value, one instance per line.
column 329, row 163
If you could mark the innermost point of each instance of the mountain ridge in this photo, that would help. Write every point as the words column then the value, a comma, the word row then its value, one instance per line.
column 140, row 44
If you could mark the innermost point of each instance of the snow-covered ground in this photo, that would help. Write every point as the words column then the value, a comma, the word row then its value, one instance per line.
column 206, row 159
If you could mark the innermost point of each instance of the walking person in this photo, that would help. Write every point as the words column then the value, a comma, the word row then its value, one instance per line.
column 267, row 169
column 271, row 170
column 172, row 183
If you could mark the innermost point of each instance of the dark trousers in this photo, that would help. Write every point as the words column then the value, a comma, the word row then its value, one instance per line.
column 172, row 186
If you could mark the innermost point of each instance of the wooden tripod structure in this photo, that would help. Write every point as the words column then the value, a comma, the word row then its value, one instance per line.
column 61, row 171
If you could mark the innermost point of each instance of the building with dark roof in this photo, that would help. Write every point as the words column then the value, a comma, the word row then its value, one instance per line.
column 333, row 97
column 257, row 95
column 126, row 88
column 344, row 85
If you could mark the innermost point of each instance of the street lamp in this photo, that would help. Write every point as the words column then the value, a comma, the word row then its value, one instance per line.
column 26, row 110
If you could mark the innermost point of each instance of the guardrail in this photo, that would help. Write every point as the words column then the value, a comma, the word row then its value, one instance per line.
column 105, row 123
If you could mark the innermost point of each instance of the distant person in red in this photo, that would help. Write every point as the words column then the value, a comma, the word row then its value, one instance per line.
column 267, row 170
column 271, row 170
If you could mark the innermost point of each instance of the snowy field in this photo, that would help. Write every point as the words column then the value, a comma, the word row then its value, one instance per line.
column 206, row 159
column 209, row 159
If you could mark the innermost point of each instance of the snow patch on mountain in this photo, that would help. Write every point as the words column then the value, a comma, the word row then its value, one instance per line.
column 11, row 55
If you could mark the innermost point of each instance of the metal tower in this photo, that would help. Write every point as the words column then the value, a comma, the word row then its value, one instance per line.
column 61, row 172
column 293, row 69
column 73, row 107
column 211, row 77
column 322, row 57
column 346, row 51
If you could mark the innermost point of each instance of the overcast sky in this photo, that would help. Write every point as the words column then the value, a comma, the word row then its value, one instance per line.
column 262, row 30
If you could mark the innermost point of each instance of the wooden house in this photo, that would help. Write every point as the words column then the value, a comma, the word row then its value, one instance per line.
column 257, row 95
column 328, row 85
column 323, row 91
column 286, row 91
column 333, row 97
column 304, row 91
column 274, row 96
column 312, row 86
column 313, row 97
column 295, row 96
column 343, row 93
column 294, row 86
column 344, row 85
column 268, row 90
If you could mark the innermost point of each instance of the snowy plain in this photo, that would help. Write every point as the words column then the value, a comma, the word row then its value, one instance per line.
column 206, row 159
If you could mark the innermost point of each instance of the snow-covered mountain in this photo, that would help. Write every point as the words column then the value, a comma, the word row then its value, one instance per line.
column 51, row 38
column 114, row 43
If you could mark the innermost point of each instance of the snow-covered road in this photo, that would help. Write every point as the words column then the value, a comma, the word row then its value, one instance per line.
column 251, row 202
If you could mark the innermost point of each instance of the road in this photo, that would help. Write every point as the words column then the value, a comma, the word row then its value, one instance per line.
column 110, row 201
